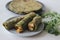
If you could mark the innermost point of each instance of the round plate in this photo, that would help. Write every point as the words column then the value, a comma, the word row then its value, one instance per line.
column 23, row 13
column 27, row 33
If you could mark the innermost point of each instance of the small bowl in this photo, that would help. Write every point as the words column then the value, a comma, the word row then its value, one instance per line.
column 40, row 12
column 26, row 33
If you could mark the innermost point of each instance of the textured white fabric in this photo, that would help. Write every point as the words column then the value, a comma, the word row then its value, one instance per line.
column 5, row 14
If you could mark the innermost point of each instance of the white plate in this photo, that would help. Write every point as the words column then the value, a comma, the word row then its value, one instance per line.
column 27, row 33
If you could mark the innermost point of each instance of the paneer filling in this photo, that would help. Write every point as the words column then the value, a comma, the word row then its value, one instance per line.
column 19, row 30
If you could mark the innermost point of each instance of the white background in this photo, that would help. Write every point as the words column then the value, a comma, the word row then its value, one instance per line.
column 5, row 14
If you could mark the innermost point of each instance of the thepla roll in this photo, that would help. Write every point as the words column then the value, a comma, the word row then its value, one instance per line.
column 34, row 24
column 10, row 24
column 22, row 25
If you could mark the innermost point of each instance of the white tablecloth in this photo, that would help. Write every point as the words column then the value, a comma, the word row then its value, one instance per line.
column 5, row 14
